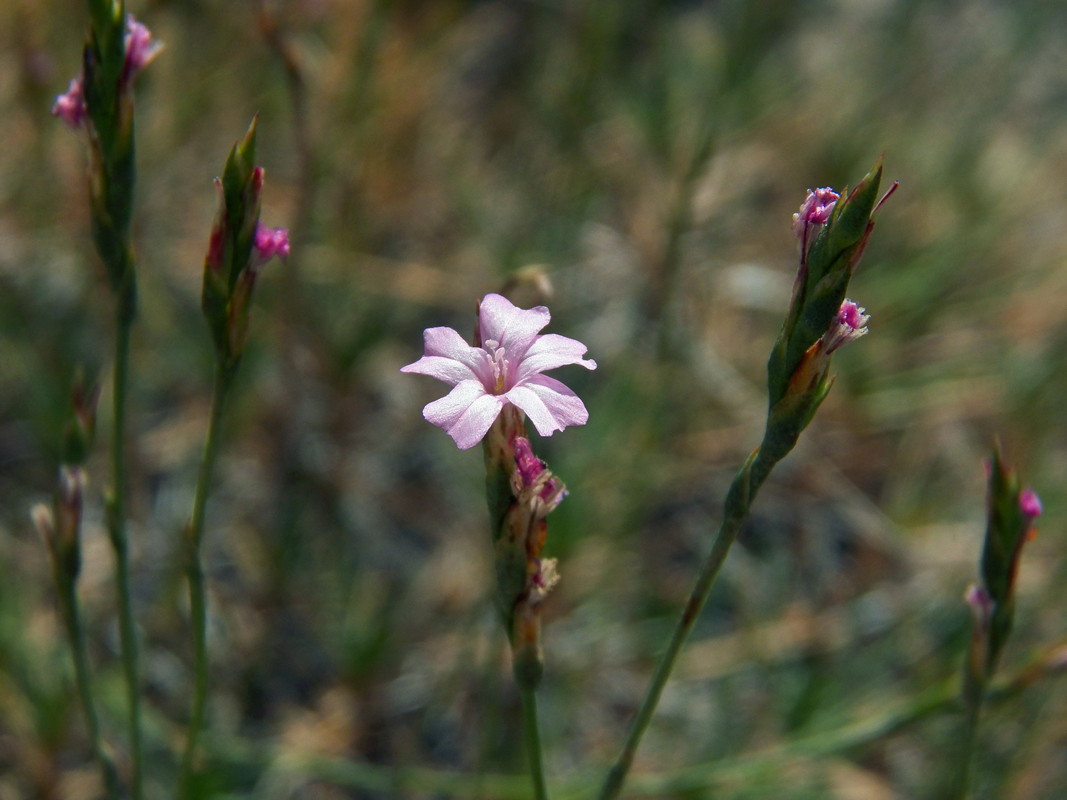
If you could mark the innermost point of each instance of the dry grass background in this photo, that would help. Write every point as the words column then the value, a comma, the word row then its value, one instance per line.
column 647, row 156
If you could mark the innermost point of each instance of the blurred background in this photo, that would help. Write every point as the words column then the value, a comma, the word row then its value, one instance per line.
column 640, row 160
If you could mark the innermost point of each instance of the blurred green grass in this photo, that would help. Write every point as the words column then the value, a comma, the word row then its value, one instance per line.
column 649, row 155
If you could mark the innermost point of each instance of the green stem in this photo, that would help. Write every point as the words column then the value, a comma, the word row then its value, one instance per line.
column 533, row 742
column 195, row 573
column 973, row 696
column 72, row 616
column 738, row 501
column 126, row 298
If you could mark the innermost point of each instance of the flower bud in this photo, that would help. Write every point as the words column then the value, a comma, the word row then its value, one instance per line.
column 80, row 426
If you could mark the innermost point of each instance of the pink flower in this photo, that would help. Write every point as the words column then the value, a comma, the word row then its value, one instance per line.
column 269, row 242
column 70, row 107
column 851, row 324
column 505, row 369
column 141, row 48
column 1030, row 504
column 533, row 475
column 815, row 210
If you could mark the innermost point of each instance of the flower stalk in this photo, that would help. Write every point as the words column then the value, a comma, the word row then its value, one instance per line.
column 521, row 492
column 833, row 235
column 1012, row 511
column 497, row 383
column 238, row 247
column 60, row 529
column 99, row 104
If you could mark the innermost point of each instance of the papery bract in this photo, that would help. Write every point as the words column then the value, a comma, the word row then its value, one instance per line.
column 505, row 369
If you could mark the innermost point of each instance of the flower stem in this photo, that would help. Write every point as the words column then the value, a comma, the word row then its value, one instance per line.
column 738, row 501
column 72, row 616
column 533, row 742
column 973, row 696
column 125, row 313
column 195, row 573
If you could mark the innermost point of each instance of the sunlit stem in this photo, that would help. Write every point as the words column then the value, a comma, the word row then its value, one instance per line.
column 738, row 501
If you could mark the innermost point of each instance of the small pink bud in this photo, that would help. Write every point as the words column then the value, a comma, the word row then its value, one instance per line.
column 141, row 48
column 528, row 465
column 269, row 242
column 981, row 603
column 851, row 324
column 70, row 107
column 1030, row 503
column 815, row 210
column 257, row 180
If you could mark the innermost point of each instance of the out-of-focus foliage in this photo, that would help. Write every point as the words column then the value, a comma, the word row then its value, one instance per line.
column 648, row 155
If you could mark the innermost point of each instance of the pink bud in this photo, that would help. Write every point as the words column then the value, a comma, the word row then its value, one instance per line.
column 1030, row 503
column 70, row 107
column 141, row 48
column 528, row 465
column 269, row 242
column 851, row 324
column 815, row 210
column 981, row 603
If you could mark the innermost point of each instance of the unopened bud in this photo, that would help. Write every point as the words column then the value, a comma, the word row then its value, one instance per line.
column 1030, row 504
column 69, row 501
column 141, row 48
column 44, row 522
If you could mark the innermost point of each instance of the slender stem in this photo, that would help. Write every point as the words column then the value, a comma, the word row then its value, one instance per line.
column 738, row 502
column 973, row 695
column 195, row 573
column 126, row 299
column 72, row 616
column 533, row 742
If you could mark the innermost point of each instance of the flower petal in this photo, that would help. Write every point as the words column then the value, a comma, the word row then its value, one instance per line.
column 512, row 328
column 551, row 351
column 549, row 404
column 450, row 359
column 465, row 413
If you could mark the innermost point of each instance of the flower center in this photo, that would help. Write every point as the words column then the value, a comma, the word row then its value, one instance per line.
column 500, row 363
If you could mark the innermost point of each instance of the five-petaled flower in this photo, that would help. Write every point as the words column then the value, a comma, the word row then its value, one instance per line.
column 506, row 368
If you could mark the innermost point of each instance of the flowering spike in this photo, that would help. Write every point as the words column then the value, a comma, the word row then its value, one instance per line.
column 238, row 246
column 834, row 230
column 505, row 369
column 1012, row 511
